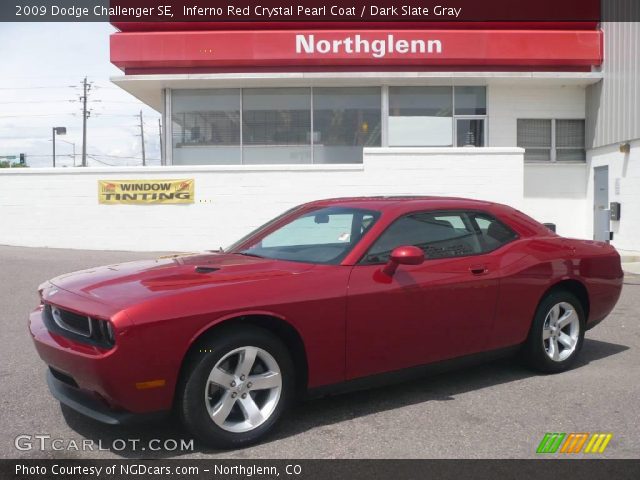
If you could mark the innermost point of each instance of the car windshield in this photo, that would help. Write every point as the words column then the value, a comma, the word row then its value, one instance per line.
column 324, row 235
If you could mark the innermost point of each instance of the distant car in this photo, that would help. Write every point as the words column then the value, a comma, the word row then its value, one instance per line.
column 334, row 294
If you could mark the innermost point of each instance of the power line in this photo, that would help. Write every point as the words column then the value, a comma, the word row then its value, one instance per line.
column 41, row 115
column 37, row 101
column 37, row 88
column 123, row 157
column 100, row 161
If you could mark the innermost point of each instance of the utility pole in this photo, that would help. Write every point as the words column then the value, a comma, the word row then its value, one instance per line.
column 161, row 146
column 85, row 89
column 142, row 138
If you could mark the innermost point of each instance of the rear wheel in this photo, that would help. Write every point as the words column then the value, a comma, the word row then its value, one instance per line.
column 236, row 387
column 557, row 333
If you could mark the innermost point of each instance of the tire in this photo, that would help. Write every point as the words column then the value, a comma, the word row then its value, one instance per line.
column 554, row 349
column 217, row 401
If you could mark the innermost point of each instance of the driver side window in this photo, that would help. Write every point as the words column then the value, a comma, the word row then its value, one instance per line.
column 438, row 234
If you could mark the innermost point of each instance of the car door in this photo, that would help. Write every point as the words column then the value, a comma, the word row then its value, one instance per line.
column 440, row 309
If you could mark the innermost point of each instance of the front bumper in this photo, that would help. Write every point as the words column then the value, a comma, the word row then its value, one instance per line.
column 102, row 384
column 89, row 406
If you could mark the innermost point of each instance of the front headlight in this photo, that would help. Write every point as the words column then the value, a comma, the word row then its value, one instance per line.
column 111, row 336
column 107, row 332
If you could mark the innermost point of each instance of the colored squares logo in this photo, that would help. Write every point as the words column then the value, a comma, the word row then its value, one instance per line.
column 574, row 442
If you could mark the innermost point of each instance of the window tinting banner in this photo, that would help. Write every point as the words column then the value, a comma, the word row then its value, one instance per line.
column 133, row 192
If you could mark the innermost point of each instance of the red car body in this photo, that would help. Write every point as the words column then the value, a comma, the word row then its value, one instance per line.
column 342, row 322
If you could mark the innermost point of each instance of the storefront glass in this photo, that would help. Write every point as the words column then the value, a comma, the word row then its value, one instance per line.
column 344, row 121
column 301, row 125
column 420, row 116
column 206, row 127
column 276, row 125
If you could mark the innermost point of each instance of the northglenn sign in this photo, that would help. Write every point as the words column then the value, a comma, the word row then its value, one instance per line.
column 146, row 52
column 357, row 45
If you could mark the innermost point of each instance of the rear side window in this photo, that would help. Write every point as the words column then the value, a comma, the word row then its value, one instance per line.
column 439, row 234
column 493, row 233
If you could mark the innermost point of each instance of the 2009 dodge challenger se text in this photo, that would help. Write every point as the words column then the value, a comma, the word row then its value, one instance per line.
column 332, row 294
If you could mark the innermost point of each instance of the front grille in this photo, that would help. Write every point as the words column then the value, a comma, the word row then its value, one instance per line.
column 81, row 328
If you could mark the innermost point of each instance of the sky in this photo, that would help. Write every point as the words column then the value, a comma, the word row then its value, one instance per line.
column 43, row 65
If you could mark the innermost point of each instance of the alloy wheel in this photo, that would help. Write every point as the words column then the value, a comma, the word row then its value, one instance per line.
column 561, row 331
column 243, row 389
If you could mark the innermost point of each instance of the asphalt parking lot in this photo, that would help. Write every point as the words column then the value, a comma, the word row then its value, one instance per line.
column 497, row 410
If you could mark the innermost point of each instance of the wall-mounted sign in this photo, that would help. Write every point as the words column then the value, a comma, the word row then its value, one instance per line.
column 143, row 192
column 287, row 50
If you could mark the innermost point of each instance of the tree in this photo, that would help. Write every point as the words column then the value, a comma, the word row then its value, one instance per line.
column 5, row 164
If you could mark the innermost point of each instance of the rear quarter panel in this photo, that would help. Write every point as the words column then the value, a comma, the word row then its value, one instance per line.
column 598, row 265
column 532, row 266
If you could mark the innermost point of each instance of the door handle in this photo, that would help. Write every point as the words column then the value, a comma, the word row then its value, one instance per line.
column 478, row 269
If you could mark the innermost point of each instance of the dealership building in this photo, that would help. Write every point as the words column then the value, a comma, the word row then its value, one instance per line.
column 541, row 116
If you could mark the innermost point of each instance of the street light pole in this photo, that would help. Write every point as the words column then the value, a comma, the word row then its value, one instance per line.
column 54, row 131
column 144, row 162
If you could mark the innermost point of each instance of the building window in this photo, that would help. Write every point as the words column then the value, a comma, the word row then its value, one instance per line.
column 570, row 143
column 471, row 100
column 344, row 121
column 209, row 121
column 323, row 124
column 470, row 132
column 420, row 116
column 470, row 113
column 437, row 116
column 552, row 140
column 276, row 125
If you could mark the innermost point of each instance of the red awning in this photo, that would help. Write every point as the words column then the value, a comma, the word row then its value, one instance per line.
column 367, row 49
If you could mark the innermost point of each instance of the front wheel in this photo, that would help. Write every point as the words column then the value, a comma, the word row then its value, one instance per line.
column 557, row 333
column 237, row 385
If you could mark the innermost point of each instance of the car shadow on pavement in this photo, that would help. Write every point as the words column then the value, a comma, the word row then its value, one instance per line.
column 324, row 411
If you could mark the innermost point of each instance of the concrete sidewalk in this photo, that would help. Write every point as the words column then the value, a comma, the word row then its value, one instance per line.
column 630, row 262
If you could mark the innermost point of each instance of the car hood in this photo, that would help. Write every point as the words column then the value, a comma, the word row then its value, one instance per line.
column 128, row 283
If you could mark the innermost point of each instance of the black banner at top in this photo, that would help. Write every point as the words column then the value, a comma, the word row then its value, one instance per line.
column 319, row 11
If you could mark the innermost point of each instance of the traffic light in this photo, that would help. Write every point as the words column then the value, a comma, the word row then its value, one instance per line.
column 23, row 159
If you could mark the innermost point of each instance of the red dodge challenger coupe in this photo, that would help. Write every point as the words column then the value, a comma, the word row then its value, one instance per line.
column 332, row 294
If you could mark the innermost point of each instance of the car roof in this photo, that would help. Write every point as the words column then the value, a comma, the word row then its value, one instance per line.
column 397, row 205
column 404, row 202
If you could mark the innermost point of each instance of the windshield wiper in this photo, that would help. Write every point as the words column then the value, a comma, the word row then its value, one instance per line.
column 247, row 254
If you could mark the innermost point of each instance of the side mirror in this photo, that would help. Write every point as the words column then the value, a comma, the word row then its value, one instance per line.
column 405, row 255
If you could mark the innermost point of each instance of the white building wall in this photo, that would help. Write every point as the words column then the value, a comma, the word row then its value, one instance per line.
column 59, row 207
column 557, row 193
column 624, row 170
column 508, row 103
column 553, row 192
